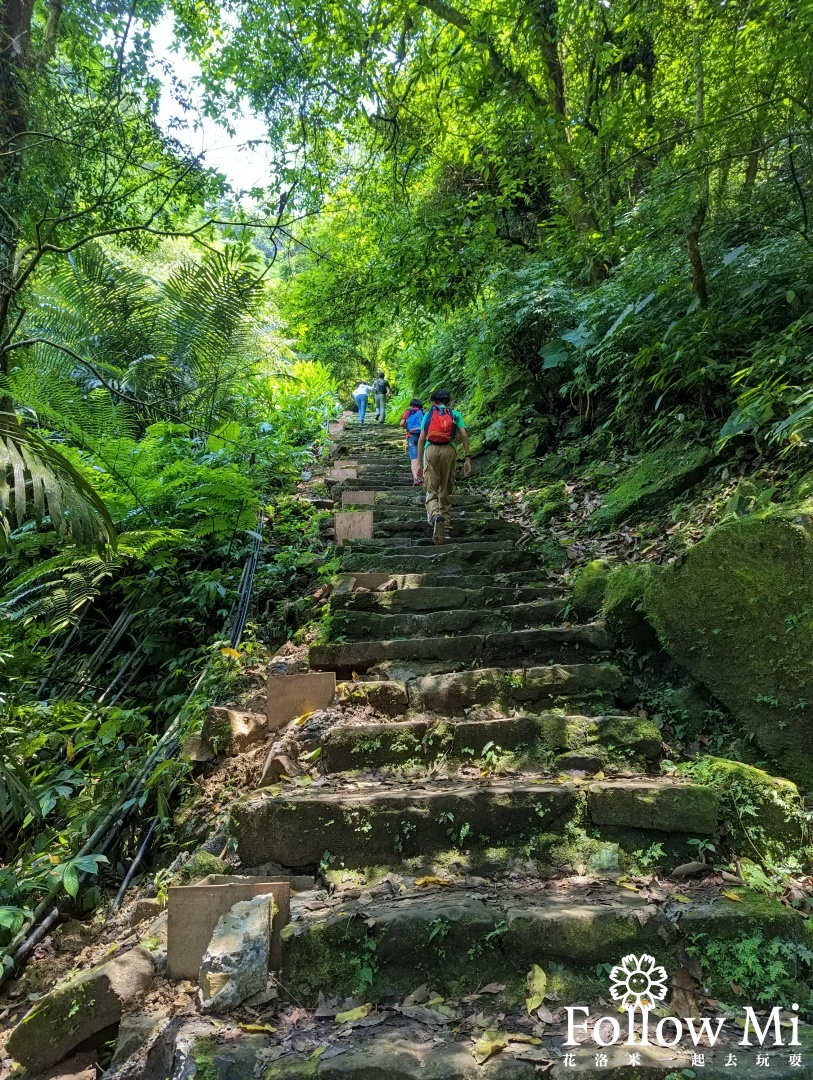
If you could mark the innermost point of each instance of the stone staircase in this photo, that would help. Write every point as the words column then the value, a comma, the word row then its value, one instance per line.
column 482, row 801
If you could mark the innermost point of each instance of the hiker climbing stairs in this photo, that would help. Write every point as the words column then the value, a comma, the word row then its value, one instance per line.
column 480, row 790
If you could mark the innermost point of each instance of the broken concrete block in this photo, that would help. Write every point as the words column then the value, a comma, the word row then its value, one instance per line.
column 145, row 909
column 235, row 965
column 136, row 1029
column 78, row 1008
column 277, row 765
column 337, row 475
column 194, row 912
column 358, row 498
column 353, row 525
column 195, row 750
column 290, row 696
column 232, row 731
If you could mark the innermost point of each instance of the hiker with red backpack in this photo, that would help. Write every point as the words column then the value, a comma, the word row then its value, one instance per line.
column 411, row 421
column 441, row 430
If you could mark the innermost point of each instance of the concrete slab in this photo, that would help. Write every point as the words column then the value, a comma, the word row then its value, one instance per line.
column 290, row 696
column 194, row 911
column 342, row 474
column 353, row 525
column 358, row 498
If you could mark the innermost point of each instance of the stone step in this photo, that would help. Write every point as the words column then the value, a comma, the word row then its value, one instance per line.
column 551, row 643
column 385, row 513
column 398, row 543
column 475, row 526
column 381, row 825
column 377, row 484
column 445, row 557
column 580, row 741
column 531, row 926
column 450, row 693
column 401, row 1049
column 416, row 498
column 362, row 625
column 444, row 599
column 522, row 585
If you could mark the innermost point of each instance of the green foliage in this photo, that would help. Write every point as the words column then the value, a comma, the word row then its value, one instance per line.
column 767, row 970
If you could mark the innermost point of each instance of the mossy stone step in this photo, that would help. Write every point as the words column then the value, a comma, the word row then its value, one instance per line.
column 385, row 500
column 386, row 513
column 400, row 543
column 475, row 525
column 554, row 643
column 405, row 1053
column 361, row 625
column 446, row 557
column 443, row 598
column 521, row 582
column 450, row 693
column 362, row 746
column 382, row 825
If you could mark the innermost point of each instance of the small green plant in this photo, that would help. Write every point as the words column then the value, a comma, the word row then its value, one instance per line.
column 405, row 830
column 703, row 847
column 439, row 929
column 646, row 859
column 490, row 756
column 766, row 970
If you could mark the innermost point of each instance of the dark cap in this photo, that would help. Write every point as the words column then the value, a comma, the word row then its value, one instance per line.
column 440, row 397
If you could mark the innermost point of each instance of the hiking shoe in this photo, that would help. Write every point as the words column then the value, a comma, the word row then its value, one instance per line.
column 438, row 529
column 417, row 483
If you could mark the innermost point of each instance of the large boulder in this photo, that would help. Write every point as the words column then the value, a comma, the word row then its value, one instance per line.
column 79, row 1008
column 738, row 614
column 653, row 481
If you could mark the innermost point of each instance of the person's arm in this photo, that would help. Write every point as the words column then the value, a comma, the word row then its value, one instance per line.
column 421, row 444
column 464, row 438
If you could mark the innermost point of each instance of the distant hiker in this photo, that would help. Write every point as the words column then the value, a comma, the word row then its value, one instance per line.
column 381, row 390
column 361, row 393
column 411, row 421
column 441, row 428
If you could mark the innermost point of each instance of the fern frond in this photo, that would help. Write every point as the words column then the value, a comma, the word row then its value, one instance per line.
column 35, row 478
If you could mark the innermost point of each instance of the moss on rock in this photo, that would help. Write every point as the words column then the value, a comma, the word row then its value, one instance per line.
column 763, row 814
column 589, row 586
column 655, row 479
column 738, row 614
column 200, row 865
column 622, row 607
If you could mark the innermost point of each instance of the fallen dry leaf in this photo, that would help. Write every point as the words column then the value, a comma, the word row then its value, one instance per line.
column 732, row 896
column 687, row 869
column 354, row 1014
column 489, row 1043
column 537, row 983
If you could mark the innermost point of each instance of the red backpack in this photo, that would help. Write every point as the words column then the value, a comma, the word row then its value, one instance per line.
column 441, row 427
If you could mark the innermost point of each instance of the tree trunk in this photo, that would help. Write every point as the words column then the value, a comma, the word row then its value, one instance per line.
column 15, row 35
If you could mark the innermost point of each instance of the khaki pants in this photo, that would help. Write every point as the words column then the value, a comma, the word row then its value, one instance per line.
column 438, row 470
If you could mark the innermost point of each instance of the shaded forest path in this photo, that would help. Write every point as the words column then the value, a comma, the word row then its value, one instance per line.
column 479, row 795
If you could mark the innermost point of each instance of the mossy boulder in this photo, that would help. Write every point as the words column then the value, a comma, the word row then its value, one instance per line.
column 589, row 586
column 653, row 481
column 623, row 605
column 738, row 614
column 763, row 814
